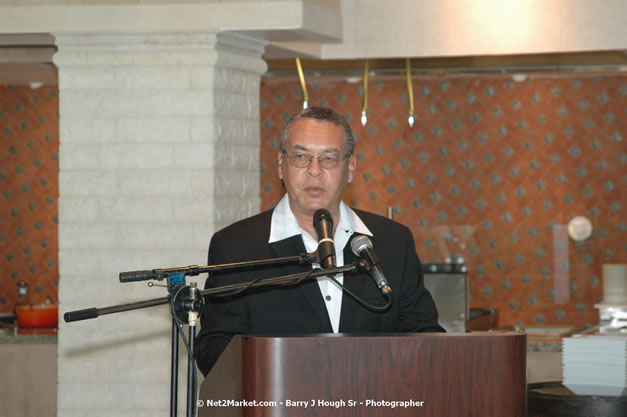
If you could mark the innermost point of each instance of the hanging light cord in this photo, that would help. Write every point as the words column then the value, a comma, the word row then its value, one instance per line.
column 303, row 86
column 410, row 93
column 364, row 104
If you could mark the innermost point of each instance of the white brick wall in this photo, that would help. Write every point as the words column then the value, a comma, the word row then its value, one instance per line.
column 159, row 147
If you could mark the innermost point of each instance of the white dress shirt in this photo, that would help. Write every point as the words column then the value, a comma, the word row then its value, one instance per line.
column 285, row 225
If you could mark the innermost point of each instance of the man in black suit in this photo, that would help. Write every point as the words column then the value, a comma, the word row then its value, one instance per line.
column 316, row 163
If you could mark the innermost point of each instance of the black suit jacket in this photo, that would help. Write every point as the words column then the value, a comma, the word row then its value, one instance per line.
column 300, row 309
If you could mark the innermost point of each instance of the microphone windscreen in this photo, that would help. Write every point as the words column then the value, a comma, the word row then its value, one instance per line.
column 359, row 243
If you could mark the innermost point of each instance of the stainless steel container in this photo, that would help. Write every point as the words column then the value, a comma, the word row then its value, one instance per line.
column 448, row 284
column 613, row 318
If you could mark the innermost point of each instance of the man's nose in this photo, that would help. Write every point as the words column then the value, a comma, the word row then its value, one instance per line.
column 314, row 168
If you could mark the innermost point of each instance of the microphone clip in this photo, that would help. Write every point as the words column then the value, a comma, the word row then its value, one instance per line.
column 308, row 258
column 362, row 266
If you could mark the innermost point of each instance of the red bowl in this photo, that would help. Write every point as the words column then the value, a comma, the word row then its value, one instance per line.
column 38, row 316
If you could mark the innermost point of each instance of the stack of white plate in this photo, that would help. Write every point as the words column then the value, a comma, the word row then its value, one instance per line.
column 595, row 364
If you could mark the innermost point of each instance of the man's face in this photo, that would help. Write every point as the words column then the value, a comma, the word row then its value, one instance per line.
column 315, row 187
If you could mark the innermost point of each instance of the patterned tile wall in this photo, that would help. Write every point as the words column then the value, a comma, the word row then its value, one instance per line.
column 29, row 171
column 492, row 172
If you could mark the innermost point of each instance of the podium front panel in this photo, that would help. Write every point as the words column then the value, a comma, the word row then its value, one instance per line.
column 425, row 374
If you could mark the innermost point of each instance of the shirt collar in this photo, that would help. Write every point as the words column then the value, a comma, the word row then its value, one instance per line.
column 284, row 224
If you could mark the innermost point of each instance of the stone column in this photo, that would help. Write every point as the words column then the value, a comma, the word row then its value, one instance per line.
column 159, row 147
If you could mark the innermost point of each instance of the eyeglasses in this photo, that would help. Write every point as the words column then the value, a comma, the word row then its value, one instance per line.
column 326, row 160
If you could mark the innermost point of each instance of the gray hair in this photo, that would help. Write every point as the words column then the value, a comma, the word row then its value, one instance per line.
column 321, row 114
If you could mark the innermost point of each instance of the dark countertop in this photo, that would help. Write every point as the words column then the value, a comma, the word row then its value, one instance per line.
column 10, row 337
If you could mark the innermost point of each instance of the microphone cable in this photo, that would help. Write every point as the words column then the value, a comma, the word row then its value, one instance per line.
column 373, row 308
column 293, row 281
column 361, row 302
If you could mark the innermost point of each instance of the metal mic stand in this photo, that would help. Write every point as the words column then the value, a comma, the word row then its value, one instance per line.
column 186, row 303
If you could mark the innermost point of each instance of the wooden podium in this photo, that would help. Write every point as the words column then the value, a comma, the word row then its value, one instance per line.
column 423, row 374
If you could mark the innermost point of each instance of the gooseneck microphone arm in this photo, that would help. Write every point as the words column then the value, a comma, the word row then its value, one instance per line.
column 192, row 270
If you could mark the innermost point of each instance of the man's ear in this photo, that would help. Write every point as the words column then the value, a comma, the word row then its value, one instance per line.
column 352, row 165
column 280, row 164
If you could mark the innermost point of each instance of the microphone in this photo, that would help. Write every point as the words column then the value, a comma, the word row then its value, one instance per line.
column 362, row 247
column 323, row 223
